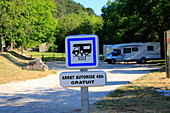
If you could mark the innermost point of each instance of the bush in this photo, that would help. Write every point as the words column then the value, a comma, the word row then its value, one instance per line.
column 53, row 48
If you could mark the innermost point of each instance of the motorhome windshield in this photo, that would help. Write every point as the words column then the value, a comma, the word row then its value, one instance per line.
column 116, row 52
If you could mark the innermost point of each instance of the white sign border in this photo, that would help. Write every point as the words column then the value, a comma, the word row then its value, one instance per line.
column 81, row 65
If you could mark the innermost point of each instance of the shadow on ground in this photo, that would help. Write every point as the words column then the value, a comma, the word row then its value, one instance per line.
column 12, row 59
column 46, row 101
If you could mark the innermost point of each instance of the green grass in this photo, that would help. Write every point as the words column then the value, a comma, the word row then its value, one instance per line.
column 157, row 62
column 47, row 56
column 20, row 56
column 101, row 57
column 138, row 97
column 11, row 69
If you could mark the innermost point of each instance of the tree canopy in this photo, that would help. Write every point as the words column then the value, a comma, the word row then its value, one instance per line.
column 31, row 22
column 135, row 21
column 74, row 24
column 68, row 6
column 27, row 22
column 131, row 20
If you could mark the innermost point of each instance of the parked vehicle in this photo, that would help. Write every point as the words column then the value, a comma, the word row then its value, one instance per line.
column 139, row 52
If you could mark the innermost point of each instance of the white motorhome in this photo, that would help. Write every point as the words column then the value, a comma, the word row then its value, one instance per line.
column 139, row 52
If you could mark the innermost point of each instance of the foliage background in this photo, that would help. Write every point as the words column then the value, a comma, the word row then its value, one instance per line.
column 31, row 22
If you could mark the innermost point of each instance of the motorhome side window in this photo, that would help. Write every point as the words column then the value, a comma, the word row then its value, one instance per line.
column 116, row 52
column 127, row 50
column 150, row 48
column 135, row 49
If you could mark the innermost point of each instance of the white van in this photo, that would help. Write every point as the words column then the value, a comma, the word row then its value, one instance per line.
column 139, row 52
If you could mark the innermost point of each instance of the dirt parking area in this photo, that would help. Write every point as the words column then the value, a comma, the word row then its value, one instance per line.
column 45, row 95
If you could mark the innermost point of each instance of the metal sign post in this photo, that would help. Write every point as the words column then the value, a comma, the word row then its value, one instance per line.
column 83, row 79
column 84, row 97
column 82, row 52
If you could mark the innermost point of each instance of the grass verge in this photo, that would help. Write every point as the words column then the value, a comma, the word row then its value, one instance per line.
column 48, row 56
column 157, row 62
column 10, row 69
column 139, row 96
column 45, row 56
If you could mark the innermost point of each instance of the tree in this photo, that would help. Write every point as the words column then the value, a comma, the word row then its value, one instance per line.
column 68, row 6
column 139, row 21
column 74, row 24
column 27, row 22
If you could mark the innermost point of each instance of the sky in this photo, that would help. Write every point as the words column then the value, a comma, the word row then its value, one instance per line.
column 96, row 5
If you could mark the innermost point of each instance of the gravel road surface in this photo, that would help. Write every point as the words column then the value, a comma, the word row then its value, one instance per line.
column 45, row 95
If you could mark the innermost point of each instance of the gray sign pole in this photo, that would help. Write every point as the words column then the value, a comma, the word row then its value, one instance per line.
column 84, row 97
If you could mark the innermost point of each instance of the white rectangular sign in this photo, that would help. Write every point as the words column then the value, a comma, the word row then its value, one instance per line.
column 83, row 79
column 82, row 51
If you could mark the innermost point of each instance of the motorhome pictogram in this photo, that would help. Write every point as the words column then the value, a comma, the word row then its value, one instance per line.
column 82, row 50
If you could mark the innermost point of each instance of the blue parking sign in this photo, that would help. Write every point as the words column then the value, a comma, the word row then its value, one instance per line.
column 82, row 51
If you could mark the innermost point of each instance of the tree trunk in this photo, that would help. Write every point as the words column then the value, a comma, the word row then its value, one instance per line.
column 22, row 48
column 1, row 47
column 12, row 46
column 7, row 44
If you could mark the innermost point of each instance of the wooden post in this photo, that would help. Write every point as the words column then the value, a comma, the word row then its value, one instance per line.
column 63, row 56
column 53, row 56
column 168, row 67
column 1, row 46
column 22, row 48
column 42, row 57
column 167, row 52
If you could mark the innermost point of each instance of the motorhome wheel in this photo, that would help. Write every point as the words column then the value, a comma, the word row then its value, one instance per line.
column 138, row 62
column 143, row 61
column 112, row 61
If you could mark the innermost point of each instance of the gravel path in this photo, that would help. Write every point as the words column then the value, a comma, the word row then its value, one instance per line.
column 45, row 95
